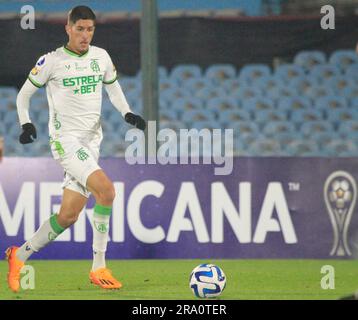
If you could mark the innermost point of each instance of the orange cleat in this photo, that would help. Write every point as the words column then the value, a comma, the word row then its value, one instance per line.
column 15, row 265
column 103, row 277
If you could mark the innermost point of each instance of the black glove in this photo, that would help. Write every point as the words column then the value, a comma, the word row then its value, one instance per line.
column 28, row 134
column 135, row 120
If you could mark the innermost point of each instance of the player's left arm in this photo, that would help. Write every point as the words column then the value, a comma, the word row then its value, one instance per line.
column 116, row 96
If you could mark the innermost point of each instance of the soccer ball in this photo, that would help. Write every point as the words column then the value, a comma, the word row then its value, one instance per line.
column 207, row 281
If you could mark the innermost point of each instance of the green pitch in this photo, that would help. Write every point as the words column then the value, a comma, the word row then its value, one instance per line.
column 168, row 279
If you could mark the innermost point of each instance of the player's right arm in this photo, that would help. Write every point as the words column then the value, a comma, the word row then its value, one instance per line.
column 37, row 78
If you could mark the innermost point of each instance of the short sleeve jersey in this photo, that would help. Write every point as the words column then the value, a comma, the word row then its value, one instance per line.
column 74, row 88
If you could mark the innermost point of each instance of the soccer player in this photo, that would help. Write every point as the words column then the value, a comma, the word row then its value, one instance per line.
column 74, row 76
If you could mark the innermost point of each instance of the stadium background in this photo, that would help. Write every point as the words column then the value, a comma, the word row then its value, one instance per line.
column 266, row 69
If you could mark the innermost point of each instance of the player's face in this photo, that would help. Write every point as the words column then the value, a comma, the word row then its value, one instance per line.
column 80, row 34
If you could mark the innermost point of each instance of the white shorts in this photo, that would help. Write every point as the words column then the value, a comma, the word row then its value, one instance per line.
column 79, row 158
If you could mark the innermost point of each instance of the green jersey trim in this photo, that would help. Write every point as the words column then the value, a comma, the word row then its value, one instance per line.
column 74, row 54
column 36, row 84
column 111, row 81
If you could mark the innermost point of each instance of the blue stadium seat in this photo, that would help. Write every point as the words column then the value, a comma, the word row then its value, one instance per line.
column 245, row 127
column 170, row 95
column 8, row 93
column 250, row 73
column 348, row 128
column 304, row 115
column 322, row 138
column 264, row 116
column 311, row 127
column 233, row 85
column 167, row 83
column 168, row 115
column 258, row 104
column 279, row 92
column 247, row 92
column 220, row 72
column 339, row 84
column 289, row 104
column 319, row 91
column 129, row 84
column 330, row 102
column 269, row 82
column 325, row 72
column 187, row 103
column 184, row 72
column 309, row 58
column 205, row 124
column 288, row 72
column 351, row 72
column 234, row 115
column 194, row 116
column 304, row 148
column 248, row 138
column 341, row 115
column 340, row 148
column 350, row 92
column 220, row 104
column 174, row 125
column 304, row 84
column 264, row 148
column 343, row 58
column 196, row 84
column 271, row 129
column 10, row 117
column 353, row 103
column 285, row 138
column 209, row 93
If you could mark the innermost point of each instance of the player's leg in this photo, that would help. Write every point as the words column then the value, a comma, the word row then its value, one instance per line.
column 103, row 190
column 72, row 204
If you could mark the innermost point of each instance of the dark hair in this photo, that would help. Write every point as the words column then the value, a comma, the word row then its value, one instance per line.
column 81, row 12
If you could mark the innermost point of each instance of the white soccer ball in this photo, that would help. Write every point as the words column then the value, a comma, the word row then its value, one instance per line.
column 207, row 281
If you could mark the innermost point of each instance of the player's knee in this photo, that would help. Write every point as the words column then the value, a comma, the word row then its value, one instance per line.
column 68, row 219
column 107, row 194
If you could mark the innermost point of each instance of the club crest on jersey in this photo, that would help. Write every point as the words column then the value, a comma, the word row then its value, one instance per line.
column 95, row 66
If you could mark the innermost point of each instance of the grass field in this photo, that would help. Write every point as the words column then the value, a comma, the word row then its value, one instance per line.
column 168, row 279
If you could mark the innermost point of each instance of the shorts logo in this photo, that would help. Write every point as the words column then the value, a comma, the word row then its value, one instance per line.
column 94, row 65
column 82, row 154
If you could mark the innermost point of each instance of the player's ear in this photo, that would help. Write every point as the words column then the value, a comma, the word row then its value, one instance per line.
column 67, row 28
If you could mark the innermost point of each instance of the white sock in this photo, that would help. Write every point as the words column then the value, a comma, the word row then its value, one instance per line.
column 100, row 238
column 48, row 232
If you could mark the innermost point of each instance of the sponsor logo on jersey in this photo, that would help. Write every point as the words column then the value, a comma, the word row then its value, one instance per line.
column 83, row 84
column 35, row 71
column 80, row 68
column 41, row 61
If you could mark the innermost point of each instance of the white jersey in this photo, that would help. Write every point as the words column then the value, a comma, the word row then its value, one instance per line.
column 74, row 88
